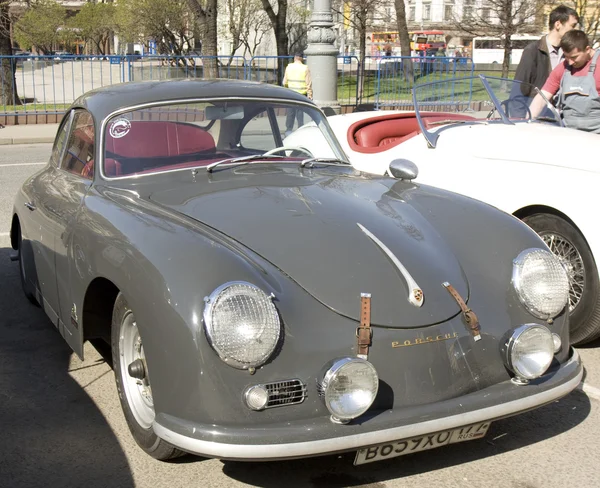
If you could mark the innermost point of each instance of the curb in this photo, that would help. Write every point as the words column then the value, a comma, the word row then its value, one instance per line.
column 5, row 141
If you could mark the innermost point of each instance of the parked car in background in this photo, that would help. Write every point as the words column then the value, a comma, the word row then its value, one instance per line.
column 270, row 302
column 475, row 136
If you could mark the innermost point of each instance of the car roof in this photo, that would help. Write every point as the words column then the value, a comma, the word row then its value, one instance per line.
column 103, row 101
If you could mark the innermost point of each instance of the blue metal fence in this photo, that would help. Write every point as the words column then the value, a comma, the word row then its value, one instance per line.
column 49, row 84
column 389, row 80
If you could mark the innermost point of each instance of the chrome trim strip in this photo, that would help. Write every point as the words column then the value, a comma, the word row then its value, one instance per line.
column 357, row 441
column 415, row 293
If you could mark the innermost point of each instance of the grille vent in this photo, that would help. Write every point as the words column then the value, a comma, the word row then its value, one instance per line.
column 288, row 392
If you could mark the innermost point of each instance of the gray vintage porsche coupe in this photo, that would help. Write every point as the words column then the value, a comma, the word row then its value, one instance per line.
column 263, row 302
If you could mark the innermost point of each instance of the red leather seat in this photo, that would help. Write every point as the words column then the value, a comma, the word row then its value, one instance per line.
column 112, row 167
column 378, row 134
column 386, row 132
column 146, row 139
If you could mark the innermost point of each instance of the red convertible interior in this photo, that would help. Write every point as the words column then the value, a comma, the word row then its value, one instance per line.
column 378, row 134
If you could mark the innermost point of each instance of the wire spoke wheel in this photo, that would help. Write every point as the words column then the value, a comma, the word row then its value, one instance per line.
column 573, row 263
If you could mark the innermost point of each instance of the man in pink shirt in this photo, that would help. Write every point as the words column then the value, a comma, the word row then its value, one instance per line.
column 577, row 81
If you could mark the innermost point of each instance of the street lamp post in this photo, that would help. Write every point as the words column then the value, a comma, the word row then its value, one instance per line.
column 321, row 56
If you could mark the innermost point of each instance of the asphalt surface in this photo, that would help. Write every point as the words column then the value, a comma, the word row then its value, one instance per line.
column 61, row 424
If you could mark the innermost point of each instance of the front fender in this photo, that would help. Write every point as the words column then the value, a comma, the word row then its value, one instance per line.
column 165, row 265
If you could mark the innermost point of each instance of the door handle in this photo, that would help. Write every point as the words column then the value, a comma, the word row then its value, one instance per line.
column 30, row 206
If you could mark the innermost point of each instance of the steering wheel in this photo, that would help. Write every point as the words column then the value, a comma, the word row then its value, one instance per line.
column 505, row 104
column 288, row 148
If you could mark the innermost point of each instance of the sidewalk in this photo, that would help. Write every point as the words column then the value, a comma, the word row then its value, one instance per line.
column 28, row 134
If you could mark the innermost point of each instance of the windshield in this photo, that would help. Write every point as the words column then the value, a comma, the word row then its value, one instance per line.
column 477, row 99
column 163, row 138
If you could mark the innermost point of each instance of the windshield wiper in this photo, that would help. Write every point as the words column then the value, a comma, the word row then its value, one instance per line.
column 242, row 160
column 310, row 162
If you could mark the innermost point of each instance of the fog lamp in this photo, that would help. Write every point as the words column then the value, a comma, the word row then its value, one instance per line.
column 349, row 387
column 529, row 351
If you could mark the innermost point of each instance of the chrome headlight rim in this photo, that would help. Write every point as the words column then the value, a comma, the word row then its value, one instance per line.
column 517, row 282
column 210, row 303
column 513, row 342
column 333, row 369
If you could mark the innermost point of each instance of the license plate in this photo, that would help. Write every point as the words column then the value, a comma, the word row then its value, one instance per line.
column 421, row 443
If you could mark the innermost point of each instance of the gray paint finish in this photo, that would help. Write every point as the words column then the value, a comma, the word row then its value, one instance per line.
column 168, row 240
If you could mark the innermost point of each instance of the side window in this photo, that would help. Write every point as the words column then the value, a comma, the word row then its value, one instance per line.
column 79, row 156
column 258, row 133
column 60, row 141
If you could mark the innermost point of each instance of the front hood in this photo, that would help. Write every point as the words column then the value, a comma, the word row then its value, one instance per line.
column 306, row 224
column 523, row 142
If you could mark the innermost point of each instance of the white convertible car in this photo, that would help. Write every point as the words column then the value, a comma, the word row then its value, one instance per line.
column 476, row 136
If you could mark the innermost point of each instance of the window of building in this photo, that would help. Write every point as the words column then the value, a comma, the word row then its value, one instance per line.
column 426, row 11
column 448, row 11
column 411, row 13
column 486, row 14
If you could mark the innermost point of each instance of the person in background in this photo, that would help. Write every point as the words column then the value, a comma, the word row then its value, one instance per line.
column 539, row 58
column 387, row 48
column 297, row 78
column 579, row 82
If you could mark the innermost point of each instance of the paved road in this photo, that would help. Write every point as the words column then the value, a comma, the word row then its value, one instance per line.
column 61, row 423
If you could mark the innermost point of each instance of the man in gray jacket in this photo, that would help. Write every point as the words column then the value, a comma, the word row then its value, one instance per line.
column 541, row 57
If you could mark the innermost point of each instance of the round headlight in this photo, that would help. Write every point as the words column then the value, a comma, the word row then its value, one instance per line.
column 349, row 388
column 541, row 282
column 241, row 324
column 529, row 351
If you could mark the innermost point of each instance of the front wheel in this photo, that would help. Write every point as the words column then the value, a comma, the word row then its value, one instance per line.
column 133, row 382
column 567, row 243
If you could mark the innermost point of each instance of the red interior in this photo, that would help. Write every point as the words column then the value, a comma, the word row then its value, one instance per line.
column 379, row 134
column 159, row 138
column 155, row 139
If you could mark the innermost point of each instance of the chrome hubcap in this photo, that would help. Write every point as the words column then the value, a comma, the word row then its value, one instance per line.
column 573, row 263
column 137, row 391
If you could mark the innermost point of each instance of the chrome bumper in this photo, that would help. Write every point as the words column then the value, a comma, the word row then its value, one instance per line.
column 377, row 430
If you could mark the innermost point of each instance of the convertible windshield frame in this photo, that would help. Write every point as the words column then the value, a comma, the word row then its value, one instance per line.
column 101, row 149
column 498, row 106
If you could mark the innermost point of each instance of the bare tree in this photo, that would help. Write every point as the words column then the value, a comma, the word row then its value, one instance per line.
column 279, row 24
column 257, row 27
column 248, row 24
column 298, row 21
column 404, row 38
column 501, row 18
column 589, row 17
column 205, row 13
column 8, row 86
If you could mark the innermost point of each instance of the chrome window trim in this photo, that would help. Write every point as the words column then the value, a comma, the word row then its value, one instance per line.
column 365, row 439
column 335, row 143
column 66, row 121
column 59, row 167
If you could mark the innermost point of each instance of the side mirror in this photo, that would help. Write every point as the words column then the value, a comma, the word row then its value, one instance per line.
column 403, row 169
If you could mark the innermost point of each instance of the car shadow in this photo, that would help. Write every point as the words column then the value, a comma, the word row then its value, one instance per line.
column 53, row 434
column 338, row 471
